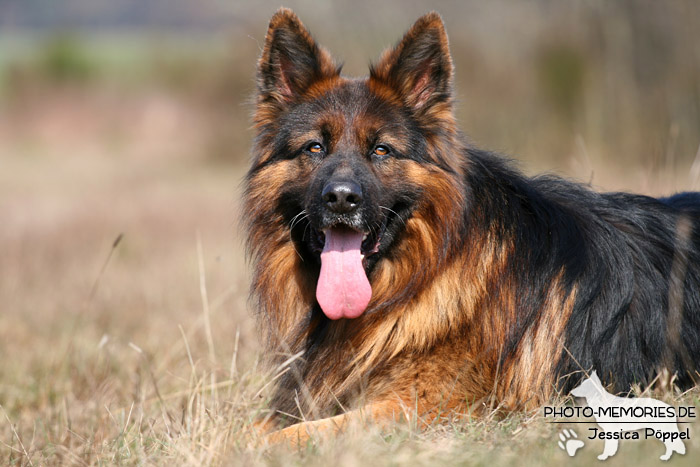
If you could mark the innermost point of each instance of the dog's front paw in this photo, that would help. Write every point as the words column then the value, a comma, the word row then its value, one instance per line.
column 255, row 435
column 295, row 436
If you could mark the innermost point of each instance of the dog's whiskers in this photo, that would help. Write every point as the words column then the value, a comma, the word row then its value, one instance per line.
column 298, row 218
column 369, row 228
column 303, row 235
column 395, row 213
column 295, row 220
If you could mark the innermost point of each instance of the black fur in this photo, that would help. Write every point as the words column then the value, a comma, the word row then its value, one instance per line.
column 618, row 249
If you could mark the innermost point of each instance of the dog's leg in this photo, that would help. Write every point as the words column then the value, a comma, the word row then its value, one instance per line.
column 610, row 449
column 379, row 414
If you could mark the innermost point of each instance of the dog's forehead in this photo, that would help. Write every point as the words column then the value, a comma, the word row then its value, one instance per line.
column 350, row 107
column 350, row 96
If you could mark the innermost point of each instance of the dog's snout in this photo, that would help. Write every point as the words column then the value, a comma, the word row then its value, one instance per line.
column 342, row 197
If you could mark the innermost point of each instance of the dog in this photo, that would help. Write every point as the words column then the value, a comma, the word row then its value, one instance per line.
column 597, row 397
column 400, row 272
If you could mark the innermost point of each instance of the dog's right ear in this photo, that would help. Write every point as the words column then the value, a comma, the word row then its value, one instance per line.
column 291, row 60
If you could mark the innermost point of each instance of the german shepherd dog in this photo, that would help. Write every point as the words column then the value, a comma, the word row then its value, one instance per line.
column 398, row 271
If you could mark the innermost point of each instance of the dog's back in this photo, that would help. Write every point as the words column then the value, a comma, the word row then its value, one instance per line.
column 638, row 305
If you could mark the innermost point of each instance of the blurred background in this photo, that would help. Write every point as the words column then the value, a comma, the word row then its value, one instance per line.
column 125, row 132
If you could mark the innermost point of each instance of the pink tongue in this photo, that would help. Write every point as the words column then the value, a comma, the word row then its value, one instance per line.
column 343, row 290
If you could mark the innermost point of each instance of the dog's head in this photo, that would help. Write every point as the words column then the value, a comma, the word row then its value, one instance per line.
column 359, row 171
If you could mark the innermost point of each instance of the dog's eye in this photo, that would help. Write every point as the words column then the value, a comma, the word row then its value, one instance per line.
column 381, row 150
column 315, row 148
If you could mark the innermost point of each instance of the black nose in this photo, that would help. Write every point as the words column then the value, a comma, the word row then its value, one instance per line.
column 342, row 197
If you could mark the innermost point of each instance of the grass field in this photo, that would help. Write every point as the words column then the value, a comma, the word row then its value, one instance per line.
column 125, row 334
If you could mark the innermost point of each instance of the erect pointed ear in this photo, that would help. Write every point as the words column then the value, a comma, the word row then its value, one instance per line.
column 291, row 60
column 419, row 68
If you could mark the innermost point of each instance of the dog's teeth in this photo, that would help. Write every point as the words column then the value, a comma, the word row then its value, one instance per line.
column 364, row 237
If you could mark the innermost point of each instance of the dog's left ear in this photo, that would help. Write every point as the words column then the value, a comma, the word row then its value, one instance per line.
column 419, row 68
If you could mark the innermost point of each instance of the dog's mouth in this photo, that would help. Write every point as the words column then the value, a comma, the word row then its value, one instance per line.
column 347, row 256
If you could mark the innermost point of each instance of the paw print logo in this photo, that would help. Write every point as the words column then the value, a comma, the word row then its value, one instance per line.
column 569, row 442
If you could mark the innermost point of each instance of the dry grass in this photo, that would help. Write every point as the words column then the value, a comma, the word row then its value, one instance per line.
column 83, row 347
